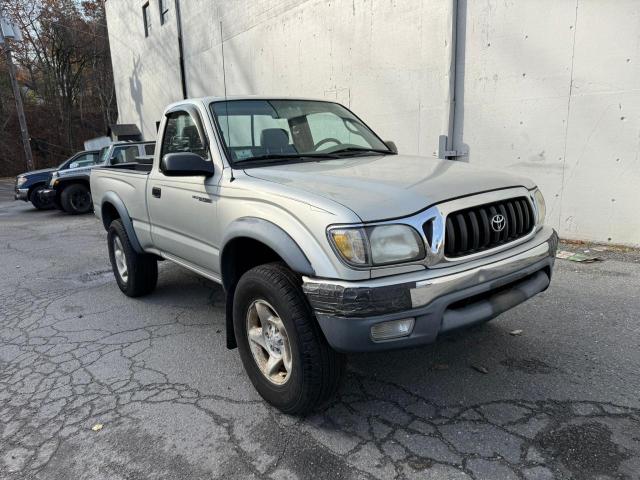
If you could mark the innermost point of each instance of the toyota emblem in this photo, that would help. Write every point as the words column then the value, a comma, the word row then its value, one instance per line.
column 498, row 223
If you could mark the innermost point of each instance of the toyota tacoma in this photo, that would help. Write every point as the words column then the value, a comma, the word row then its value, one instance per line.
column 324, row 239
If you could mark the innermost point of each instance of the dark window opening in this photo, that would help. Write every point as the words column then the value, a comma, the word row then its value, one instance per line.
column 181, row 135
column 146, row 18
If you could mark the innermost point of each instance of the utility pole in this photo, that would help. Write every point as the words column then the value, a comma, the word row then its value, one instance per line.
column 10, row 32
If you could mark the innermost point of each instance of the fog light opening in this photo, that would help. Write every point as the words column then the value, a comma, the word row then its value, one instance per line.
column 392, row 329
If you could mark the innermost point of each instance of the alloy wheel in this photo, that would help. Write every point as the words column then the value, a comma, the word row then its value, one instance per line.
column 269, row 342
column 121, row 261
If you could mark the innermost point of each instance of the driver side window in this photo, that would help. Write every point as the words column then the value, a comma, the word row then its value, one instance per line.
column 327, row 125
column 181, row 135
column 85, row 160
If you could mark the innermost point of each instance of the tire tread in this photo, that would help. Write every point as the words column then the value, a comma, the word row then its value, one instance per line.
column 143, row 274
column 322, row 366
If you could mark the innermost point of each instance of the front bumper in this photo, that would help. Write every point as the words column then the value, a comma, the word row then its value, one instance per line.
column 439, row 299
column 22, row 194
column 48, row 195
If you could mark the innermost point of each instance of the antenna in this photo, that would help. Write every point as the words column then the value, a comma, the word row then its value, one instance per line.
column 226, row 104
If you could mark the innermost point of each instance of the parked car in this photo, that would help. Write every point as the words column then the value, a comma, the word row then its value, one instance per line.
column 29, row 185
column 324, row 239
column 69, row 188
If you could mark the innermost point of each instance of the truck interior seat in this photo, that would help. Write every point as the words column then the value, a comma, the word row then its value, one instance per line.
column 276, row 140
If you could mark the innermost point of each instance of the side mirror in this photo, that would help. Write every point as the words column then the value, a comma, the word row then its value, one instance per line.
column 185, row 164
column 392, row 146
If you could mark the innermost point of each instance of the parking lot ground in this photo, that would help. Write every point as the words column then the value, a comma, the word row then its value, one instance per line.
column 560, row 400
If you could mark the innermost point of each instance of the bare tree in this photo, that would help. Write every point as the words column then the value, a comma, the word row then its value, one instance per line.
column 65, row 73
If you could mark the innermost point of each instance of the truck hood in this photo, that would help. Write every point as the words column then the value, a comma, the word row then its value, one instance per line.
column 383, row 187
column 33, row 173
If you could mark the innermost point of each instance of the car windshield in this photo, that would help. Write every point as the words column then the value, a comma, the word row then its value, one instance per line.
column 65, row 164
column 256, row 132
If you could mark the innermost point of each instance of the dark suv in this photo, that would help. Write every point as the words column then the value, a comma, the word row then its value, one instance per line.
column 30, row 184
column 69, row 189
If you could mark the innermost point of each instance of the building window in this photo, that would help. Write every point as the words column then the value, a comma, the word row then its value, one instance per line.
column 146, row 17
column 164, row 11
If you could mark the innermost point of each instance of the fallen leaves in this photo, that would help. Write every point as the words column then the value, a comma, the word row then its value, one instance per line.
column 97, row 427
column 480, row 368
column 515, row 333
column 577, row 257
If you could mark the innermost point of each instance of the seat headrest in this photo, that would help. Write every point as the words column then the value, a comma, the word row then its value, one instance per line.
column 274, row 138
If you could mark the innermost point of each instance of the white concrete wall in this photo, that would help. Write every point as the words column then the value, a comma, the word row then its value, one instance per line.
column 146, row 71
column 551, row 90
column 547, row 89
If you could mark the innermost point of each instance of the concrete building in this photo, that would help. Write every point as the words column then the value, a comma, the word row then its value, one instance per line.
column 548, row 89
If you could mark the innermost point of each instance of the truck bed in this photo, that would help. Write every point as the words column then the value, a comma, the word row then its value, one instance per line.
column 130, row 183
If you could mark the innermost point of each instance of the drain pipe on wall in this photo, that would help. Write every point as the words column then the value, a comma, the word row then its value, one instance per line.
column 183, row 78
column 445, row 143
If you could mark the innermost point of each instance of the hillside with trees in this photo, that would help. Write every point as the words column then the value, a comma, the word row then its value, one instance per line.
column 64, row 71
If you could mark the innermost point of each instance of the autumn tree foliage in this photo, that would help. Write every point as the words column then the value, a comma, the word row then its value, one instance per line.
column 64, row 71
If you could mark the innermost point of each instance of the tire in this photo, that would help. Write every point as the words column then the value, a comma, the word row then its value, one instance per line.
column 76, row 199
column 34, row 198
column 141, row 270
column 315, row 369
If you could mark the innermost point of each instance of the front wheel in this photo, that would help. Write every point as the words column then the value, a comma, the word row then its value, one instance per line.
column 281, row 345
column 39, row 202
column 136, row 273
column 76, row 199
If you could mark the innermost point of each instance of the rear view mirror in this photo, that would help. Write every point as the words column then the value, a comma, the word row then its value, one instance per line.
column 392, row 146
column 185, row 164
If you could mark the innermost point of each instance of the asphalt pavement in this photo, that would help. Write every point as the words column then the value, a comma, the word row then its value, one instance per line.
column 95, row 385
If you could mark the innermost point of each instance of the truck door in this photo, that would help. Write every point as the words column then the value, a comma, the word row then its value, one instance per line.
column 182, row 210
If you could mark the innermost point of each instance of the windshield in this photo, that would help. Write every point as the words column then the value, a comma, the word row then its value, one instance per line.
column 262, row 131
column 65, row 164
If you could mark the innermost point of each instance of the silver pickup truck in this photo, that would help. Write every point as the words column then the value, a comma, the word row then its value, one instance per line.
column 324, row 239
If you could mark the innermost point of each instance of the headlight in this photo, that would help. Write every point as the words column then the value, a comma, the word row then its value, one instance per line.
column 541, row 207
column 379, row 245
column 394, row 244
column 21, row 181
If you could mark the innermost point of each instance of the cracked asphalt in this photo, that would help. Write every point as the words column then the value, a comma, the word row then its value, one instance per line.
column 561, row 400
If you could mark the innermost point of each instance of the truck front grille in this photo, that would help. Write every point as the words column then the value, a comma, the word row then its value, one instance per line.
column 487, row 226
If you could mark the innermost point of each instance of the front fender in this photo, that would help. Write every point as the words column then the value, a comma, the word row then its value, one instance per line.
column 272, row 236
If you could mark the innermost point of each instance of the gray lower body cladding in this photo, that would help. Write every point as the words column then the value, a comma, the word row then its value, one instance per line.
column 346, row 313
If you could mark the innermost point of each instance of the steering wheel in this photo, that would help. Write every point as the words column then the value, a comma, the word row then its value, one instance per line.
column 325, row 140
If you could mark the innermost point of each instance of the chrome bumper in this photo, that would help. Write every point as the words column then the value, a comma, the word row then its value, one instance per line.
column 22, row 194
column 346, row 310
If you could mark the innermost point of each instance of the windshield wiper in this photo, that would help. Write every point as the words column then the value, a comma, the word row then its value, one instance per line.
column 340, row 151
column 283, row 157
column 272, row 158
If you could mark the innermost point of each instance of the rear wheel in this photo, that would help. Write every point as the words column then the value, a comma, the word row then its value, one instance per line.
column 136, row 273
column 281, row 345
column 37, row 201
column 76, row 199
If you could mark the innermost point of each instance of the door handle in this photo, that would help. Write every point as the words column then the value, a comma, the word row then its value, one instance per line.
column 156, row 192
